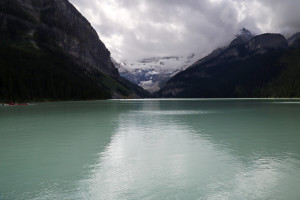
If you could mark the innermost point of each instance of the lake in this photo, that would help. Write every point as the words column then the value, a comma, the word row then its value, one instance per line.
column 151, row 149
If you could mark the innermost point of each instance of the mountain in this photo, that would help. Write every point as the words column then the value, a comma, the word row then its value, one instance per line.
column 250, row 66
column 49, row 51
column 294, row 41
column 243, row 37
column 152, row 73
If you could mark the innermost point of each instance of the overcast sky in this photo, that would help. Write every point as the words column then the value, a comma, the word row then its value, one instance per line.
column 134, row 29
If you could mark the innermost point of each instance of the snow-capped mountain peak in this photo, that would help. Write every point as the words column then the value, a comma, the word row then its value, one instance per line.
column 242, row 37
column 245, row 32
column 149, row 73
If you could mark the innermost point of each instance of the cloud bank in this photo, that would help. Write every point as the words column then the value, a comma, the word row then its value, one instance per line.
column 134, row 29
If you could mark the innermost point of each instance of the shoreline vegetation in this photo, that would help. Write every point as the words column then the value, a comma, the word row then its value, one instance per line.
column 149, row 99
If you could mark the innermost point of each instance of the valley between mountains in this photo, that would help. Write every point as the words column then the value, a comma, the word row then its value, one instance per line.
column 50, row 52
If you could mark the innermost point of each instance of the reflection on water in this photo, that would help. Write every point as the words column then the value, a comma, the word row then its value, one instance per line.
column 177, row 149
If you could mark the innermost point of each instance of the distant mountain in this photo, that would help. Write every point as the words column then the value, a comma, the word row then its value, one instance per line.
column 152, row 73
column 265, row 65
column 49, row 51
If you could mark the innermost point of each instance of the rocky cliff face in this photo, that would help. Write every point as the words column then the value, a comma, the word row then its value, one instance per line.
column 57, row 23
column 265, row 42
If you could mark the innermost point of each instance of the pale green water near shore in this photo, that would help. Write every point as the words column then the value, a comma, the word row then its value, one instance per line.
column 151, row 149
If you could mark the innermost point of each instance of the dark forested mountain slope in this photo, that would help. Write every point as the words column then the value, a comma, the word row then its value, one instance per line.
column 49, row 51
column 260, row 66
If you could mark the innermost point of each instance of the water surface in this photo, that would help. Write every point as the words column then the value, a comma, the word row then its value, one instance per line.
column 151, row 149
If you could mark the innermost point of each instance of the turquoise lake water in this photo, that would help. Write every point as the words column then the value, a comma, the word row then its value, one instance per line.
column 151, row 149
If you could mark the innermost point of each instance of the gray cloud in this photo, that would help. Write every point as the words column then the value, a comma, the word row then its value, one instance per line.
column 284, row 15
column 134, row 29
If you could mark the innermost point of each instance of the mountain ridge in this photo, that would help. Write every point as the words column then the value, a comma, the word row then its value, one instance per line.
column 241, row 70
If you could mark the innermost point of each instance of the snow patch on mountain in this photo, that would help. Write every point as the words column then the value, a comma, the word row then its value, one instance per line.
column 152, row 73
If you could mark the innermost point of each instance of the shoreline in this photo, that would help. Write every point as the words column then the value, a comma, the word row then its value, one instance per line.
column 148, row 99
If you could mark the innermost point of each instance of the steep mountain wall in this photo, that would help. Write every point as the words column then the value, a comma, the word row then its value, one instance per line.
column 58, row 23
column 49, row 51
